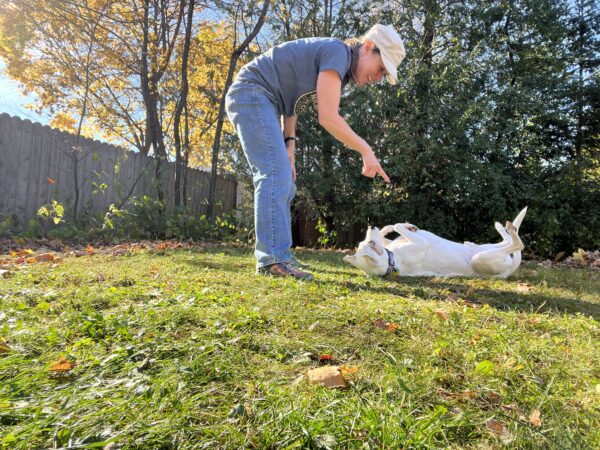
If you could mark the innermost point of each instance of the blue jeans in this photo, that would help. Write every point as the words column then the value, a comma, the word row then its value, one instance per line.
column 253, row 112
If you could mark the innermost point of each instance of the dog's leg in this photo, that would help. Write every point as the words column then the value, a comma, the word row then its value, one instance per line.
column 385, row 231
column 497, row 261
column 410, row 235
column 506, row 239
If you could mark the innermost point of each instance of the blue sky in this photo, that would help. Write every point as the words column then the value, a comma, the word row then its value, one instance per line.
column 13, row 103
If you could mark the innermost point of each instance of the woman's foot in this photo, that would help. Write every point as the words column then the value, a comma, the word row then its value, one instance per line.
column 285, row 269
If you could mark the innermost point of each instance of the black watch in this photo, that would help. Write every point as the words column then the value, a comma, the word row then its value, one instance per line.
column 289, row 138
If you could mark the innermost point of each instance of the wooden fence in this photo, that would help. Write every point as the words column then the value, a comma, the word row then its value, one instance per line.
column 37, row 166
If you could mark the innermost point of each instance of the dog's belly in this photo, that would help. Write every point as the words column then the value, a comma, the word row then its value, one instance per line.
column 438, row 257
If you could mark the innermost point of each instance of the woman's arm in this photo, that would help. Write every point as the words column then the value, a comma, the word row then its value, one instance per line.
column 289, row 126
column 329, row 91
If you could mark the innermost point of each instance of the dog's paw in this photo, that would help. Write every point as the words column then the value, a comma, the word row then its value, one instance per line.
column 411, row 227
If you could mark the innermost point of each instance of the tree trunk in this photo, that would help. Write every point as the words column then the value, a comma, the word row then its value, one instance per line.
column 182, row 101
column 217, row 142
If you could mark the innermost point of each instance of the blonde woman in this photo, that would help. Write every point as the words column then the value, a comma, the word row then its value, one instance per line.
column 269, row 88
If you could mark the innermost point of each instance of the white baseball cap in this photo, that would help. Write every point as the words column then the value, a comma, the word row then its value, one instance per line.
column 390, row 46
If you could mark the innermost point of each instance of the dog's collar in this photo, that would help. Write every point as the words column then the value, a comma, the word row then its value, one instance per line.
column 391, row 263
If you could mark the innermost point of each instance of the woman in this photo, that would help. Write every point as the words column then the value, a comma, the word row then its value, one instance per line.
column 269, row 87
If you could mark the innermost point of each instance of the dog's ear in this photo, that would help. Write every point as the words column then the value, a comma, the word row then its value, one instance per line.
column 378, row 249
column 350, row 259
column 371, row 261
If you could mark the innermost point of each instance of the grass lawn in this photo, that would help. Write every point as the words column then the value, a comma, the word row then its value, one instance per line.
column 186, row 348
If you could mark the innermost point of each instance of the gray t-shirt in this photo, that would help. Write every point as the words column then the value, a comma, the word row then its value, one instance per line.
column 289, row 71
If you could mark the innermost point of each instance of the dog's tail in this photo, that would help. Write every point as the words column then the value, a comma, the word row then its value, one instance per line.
column 519, row 218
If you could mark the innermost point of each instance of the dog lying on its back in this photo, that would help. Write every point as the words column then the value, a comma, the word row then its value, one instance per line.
column 421, row 253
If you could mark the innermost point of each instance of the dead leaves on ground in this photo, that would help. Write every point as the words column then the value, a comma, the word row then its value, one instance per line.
column 524, row 287
column 13, row 253
column 535, row 418
column 328, row 376
column 496, row 427
column 332, row 376
column 580, row 259
column 388, row 326
column 25, row 256
column 62, row 365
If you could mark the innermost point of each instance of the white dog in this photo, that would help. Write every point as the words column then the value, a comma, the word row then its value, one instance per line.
column 419, row 253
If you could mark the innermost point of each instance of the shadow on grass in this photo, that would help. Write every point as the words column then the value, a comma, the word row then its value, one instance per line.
column 424, row 288
column 428, row 288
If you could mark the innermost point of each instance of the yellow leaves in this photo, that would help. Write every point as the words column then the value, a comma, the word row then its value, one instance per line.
column 64, row 122
column 348, row 372
column 4, row 348
column 579, row 255
column 20, row 253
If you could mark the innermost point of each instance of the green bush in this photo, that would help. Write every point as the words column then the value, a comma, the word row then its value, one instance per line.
column 142, row 218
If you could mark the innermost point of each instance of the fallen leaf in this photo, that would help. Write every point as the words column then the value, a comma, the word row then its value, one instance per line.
column 467, row 393
column 441, row 314
column 90, row 250
column 325, row 357
column 40, row 258
column 348, row 372
column 494, row 397
column 496, row 427
column 468, row 303
column 51, row 181
column 391, row 327
column 62, row 365
column 328, row 376
column 380, row 323
column 535, row 419
column 4, row 348
column 485, row 367
column 579, row 255
column 475, row 339
column 524, row 287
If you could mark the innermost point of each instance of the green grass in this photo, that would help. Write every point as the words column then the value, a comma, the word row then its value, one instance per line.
column 185, row 348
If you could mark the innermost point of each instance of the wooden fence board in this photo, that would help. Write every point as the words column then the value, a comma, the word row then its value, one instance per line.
column 31, row 153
